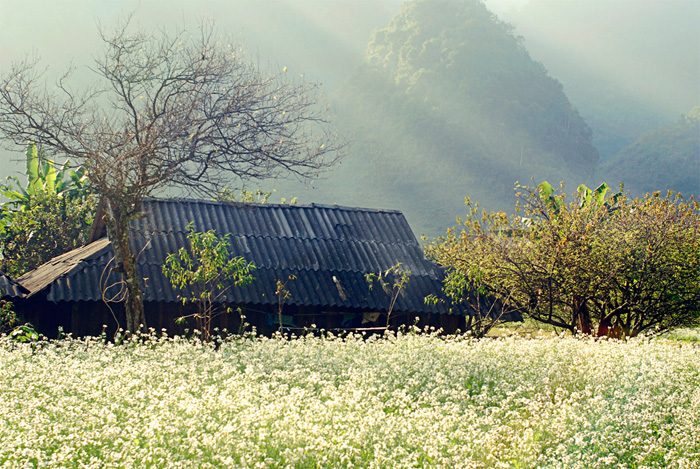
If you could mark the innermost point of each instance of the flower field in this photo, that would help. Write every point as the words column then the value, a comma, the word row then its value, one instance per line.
column 412, row 400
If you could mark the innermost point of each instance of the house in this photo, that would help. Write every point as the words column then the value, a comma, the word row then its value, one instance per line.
column 322, row 253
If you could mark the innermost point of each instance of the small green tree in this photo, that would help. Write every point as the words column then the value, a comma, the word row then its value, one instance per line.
column 626, row 266
column 393, row 282
column 282, row 295
column 484, row 310
column 204, row 273
column 49, row 215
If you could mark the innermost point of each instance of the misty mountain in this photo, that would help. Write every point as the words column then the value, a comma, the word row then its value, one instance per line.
column 661, row 160
column 629, row 67
column 448, row 104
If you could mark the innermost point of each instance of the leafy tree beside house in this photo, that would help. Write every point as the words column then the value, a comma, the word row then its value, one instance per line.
column 49, row 215
column 204, row 273
column 621, row 265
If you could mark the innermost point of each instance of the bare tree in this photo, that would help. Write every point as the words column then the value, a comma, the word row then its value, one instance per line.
column 168, row 109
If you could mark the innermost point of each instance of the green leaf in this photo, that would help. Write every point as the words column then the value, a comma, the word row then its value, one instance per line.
column 50, row 177
column 599, row 193
column 546, row 189
column 32, row 169
column 584, row 195
column 548, row 196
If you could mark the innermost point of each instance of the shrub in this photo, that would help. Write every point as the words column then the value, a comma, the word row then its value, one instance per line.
column 204, row 273
column 8, row 319
column 48, row 216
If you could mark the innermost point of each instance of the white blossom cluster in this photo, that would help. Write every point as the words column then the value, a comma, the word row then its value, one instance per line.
column 406, row 400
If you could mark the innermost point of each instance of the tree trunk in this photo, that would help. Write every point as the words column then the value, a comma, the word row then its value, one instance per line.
column 603, row 327
column 117, row 222
column 582, row 317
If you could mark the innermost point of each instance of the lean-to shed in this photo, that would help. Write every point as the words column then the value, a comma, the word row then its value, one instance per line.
column 322, row 252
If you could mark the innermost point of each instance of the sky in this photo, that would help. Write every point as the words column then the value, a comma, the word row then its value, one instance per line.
column 637, row 45
column 275, row 33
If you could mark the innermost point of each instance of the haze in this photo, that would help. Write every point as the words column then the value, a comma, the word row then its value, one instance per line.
column 628, row 66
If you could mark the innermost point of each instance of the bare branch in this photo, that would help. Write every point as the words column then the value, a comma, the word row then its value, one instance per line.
column 170, row 109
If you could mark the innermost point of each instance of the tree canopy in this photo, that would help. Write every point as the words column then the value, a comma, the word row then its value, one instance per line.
column 624, row 265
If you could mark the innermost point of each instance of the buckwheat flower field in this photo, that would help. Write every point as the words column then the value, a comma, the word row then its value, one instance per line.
column 407, row 400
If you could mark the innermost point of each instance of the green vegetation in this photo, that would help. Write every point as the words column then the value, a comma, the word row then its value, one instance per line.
column 663, row 159
column 460, row 63
column 401, row 401
column 393, row 282
column 8, row 319
column 205, row 272
column 685, row 334
column 49, row 215
column 626, row 266
column 257, row 196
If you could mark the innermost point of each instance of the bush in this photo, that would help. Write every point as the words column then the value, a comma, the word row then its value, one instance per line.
column 8, row 319
column 48, row 216
column 204, row 274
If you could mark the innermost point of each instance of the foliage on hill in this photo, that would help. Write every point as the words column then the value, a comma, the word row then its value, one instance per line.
column 664, row 159
column 457, row 59
column 449, row 101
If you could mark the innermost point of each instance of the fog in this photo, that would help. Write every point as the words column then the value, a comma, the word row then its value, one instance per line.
column 628, row 65
column 323, row 40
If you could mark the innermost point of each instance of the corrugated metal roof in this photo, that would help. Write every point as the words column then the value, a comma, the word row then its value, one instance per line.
column 313, row 243
column 10, row 288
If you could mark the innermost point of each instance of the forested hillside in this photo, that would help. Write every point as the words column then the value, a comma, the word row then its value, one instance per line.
column 668, row 158
column 628, row 67
column 449, row 103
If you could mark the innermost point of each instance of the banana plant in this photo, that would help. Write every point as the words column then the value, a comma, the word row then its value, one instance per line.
column 44, row 178
column 586, row 197
column 548, row 195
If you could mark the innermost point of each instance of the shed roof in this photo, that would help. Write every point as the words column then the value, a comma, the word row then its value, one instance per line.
column 11, row 288
column 329, row 249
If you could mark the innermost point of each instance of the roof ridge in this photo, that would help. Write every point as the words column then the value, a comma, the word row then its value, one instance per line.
column 309, row 238
column 272, row 205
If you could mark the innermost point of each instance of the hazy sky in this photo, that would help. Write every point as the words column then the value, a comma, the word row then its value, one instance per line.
column 635, row 42
column 276, row 33
column 63, row 30
column 640, row 45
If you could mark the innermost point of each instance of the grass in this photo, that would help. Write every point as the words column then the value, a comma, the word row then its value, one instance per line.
column 412, row 400
column 685, row 334
column 530, row 328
